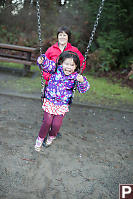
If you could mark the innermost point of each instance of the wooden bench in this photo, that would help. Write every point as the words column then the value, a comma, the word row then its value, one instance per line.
column 10, row 53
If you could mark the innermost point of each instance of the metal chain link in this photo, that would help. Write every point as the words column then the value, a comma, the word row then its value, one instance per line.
column 92, row 34
column 31, row 2
column 39, row 25
column 40, row 42
column 62, row 2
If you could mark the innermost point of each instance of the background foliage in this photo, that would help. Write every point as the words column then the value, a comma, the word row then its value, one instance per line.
column 112, row 47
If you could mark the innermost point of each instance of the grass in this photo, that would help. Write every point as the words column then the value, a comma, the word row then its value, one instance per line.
column 18, row 66
column 102, row 91
column 22, row 84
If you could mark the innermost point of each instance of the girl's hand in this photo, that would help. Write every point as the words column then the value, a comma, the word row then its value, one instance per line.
column 40, row 60
column 80, row 78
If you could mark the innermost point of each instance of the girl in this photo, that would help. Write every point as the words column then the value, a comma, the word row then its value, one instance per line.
column 58, row 93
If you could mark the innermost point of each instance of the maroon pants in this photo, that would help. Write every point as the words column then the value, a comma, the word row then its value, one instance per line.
column 51, row 124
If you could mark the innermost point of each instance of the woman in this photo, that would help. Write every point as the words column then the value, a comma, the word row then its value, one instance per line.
column 53, row 52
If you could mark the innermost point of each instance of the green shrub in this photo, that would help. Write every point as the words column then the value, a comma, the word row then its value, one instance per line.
column 111, row 47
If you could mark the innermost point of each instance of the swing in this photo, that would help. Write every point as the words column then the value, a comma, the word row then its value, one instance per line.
column 87, row 49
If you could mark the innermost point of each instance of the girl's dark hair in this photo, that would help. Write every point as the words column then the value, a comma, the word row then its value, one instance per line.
column 66, row 30
column 69, row 54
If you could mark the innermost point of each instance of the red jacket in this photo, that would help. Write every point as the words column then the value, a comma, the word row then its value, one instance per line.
column 53, row 53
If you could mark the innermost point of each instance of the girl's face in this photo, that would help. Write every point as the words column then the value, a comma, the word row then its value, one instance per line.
column 62, row 38
column 68, row 66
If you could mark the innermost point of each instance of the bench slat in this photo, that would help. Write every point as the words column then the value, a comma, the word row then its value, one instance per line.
column 4, row 59
column 17, row 57
column 19, row 48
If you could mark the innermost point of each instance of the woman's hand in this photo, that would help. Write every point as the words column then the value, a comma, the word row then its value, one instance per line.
column 40, row 60
column 80, row 78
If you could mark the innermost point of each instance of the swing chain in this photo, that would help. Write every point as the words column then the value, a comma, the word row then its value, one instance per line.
column 39, row 24
column 93, row 33
column 40, row 41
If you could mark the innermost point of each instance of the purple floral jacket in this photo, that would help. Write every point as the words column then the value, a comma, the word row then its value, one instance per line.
column 60, row 86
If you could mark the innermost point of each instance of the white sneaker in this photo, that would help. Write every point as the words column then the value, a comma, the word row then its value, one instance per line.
column 38, row 144
column 50, row 140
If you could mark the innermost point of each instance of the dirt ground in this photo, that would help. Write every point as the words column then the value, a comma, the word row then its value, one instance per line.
column 93, row 156
column 90, row 160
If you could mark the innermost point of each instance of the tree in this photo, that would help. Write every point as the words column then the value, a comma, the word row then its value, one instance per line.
column 117, row 35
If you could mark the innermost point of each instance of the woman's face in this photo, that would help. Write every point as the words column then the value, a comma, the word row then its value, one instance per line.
column 62, row 38
column 69, row 66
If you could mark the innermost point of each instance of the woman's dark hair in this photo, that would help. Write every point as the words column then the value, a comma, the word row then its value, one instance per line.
column 69, row 54
column 66, row 30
